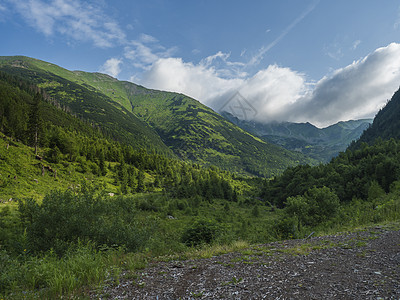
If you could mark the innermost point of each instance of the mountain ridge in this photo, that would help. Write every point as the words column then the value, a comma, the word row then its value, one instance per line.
column 319, row 143
column 183, row 125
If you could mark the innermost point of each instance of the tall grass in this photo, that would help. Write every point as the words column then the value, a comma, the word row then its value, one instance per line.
column 49, row 276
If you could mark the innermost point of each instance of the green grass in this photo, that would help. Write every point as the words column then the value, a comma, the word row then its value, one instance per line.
column 21, row 174
column 49, row 277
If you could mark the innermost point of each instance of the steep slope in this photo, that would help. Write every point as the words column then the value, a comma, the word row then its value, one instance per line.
column 195, row 132
column 386, row 124
column 42, row 147
column 190, row 129
column 321, row 144
column 85, row 102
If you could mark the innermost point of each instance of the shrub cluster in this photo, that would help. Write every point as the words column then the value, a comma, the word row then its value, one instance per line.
column 64, row 218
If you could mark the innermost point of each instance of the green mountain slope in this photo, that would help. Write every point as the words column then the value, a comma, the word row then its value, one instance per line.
column 85, row 102
column 43, row 147
column 321, row 144
column 190, row 129
column 195, row 132
column 386, row 124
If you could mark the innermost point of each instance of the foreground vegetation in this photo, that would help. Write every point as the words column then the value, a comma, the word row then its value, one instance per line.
column 76, row 240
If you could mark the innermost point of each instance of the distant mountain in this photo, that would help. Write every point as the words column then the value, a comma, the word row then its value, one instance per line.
column 321, row 144
column 386, row 124
column 167, row 122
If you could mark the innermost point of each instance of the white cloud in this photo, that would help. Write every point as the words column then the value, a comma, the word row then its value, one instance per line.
column 353, row 92
column 334, row 51
column 196, row 51
column 272, row 90
column 111, row 67
column 198, row 81
column 397, row 22
column 80, row 21
column 146, row 38
column 3, row 12
column 281, row 94
column 146, row 51
column 355, row 44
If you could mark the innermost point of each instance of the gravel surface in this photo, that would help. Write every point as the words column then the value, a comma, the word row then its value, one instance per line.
column 361, row 265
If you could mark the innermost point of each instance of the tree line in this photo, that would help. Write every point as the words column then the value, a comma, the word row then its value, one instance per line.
column 353, row 174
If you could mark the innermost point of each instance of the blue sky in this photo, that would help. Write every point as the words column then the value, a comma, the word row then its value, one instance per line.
column 293, row 60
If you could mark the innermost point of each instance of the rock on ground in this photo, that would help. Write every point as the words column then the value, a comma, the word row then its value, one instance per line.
column 361, row 265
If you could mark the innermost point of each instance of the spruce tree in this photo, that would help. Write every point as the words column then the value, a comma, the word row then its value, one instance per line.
column 35, row 123
column 140, row 182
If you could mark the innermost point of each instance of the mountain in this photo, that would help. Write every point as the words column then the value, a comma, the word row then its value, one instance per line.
column 86, row 103
column 319, row 143
column 43, row 147
column 386, row 124
column 167, row 122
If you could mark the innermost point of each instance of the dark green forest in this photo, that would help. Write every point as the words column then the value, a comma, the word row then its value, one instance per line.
column 353, row 174
column 386, row 124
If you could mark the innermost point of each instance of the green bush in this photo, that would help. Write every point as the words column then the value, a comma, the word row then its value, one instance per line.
column 65, row 218
column 317, row 206
column 202, row 231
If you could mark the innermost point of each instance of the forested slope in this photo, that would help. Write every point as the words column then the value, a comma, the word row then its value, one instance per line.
column 188, row 128
column 386, row 124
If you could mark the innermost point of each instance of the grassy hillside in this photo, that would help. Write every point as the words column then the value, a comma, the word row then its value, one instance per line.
column 21, row 173
column 196, row 132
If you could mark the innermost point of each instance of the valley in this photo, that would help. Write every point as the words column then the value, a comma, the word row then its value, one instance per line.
column 99, row 178
column 321, row 144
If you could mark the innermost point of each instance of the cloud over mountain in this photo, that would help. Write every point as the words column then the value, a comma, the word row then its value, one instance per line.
column 111, row 67
column 277, row 93
column 356, row 91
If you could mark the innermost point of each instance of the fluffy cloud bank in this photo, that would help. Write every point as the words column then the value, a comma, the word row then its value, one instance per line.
column 281, row 94
column 356, row 91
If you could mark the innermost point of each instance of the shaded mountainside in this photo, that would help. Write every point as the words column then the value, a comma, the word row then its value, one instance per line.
column 319, row 143
column 88, row 104
column 155, row 119
column 386, row 124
